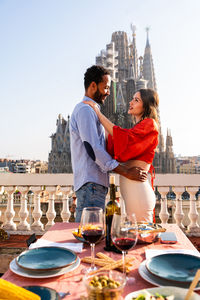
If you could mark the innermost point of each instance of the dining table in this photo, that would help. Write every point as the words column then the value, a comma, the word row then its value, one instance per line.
column 72, row 281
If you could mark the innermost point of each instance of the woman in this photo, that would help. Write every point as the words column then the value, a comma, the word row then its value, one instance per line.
column 135, row 147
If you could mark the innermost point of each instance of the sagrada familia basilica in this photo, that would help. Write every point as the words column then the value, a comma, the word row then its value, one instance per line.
column 129, row 73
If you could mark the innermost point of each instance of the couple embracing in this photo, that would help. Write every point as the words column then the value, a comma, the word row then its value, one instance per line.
column 99, row 146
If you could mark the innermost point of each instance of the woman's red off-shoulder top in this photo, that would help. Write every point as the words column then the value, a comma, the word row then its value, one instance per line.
column 138, row 143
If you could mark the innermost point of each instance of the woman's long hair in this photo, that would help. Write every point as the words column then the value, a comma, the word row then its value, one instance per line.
column 150, row 103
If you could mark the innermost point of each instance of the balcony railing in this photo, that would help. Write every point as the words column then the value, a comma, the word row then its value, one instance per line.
column 24, row 215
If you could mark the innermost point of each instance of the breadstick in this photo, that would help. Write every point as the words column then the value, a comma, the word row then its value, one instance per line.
column 97, row 261
column 101, row 262
column 152, row 231
column 104, row 256
column 109, row 259
column 111, row 266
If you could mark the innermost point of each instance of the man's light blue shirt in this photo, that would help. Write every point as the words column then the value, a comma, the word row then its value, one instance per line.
column 90, row 161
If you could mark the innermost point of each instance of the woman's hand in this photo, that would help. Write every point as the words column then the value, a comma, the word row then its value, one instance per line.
column 108, row 125
column 93, row 105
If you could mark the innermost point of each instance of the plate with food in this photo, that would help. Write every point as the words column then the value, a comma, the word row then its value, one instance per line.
column 78, row 235
column 161, row 293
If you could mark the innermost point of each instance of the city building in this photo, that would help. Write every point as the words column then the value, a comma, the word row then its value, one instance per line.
column 39, row 167
column 129, row 73
column 23, row 166
column 188, row 164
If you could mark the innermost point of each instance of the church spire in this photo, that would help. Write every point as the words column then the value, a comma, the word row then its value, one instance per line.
column 131, row 69
column 59, row 124
column 141, row 83
column 121, row 107
column 148, row 67
column 147, row 42
column 133, row 52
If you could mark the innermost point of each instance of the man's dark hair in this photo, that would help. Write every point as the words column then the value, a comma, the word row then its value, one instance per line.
column 94, row 73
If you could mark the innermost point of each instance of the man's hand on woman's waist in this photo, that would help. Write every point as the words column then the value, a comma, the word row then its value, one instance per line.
column 134, row 173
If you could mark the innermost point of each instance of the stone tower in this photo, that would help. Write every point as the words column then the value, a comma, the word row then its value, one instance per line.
column 148, row 68
column 170, row 163
column 60, row 156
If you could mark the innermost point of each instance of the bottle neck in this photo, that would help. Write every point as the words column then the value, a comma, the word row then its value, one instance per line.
column 112, row 192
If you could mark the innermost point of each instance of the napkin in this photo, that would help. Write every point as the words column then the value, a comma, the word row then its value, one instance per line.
column 154, row 252
column 76, row 247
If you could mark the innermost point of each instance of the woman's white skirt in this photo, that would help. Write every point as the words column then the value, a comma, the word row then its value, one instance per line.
column 139, row 198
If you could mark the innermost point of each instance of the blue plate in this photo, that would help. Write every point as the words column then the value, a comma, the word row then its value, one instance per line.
column 46, row 258
column 175, row 266
column 44, row 292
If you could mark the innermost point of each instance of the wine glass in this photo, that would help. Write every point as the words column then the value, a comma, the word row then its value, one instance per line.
column 92, row 229
column 124, row 234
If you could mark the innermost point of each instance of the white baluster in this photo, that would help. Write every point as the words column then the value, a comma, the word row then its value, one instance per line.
column 30, row 203
column 178, row 214
column 37, row 213
column 23, row 213
column 10, row 213
column 51, row 213
column 164, row 215
column 193, row 227
column 65, row 214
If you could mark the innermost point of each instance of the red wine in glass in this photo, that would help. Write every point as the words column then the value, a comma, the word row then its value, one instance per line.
column 124, row 244
column 124, row 234
column 92, row 235
column 92, row 229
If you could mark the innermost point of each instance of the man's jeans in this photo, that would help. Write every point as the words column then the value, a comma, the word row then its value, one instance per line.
column 90, row 195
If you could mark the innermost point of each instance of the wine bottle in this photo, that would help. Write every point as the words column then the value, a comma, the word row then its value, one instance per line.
column 113, row 206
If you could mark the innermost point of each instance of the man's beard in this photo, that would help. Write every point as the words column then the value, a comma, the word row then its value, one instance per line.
column 98, row 97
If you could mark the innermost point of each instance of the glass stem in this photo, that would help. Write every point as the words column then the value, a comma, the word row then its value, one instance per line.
column 124, row 262
column 92, row 256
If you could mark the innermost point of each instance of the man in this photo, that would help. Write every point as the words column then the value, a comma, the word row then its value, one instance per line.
column 90, row 161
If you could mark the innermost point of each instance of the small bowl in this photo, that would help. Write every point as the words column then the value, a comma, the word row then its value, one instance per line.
column 107, row 292
column 150, row 237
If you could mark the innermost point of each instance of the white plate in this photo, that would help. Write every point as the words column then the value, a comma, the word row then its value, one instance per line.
column 146, row 275
column 179, row 293
column 47, row 274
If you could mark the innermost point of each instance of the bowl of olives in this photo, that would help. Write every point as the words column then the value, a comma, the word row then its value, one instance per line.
column 105, row 285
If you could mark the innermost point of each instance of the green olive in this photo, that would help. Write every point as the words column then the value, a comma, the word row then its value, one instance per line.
column 95, row 278
column 104, row 282
column 117, row 283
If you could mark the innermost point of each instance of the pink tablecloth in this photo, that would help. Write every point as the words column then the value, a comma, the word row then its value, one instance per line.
column 72, row 281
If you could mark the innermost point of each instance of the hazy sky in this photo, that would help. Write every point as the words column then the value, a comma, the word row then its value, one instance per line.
column 46, row 46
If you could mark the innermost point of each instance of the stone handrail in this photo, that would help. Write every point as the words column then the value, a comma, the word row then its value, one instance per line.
column 59, row 187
